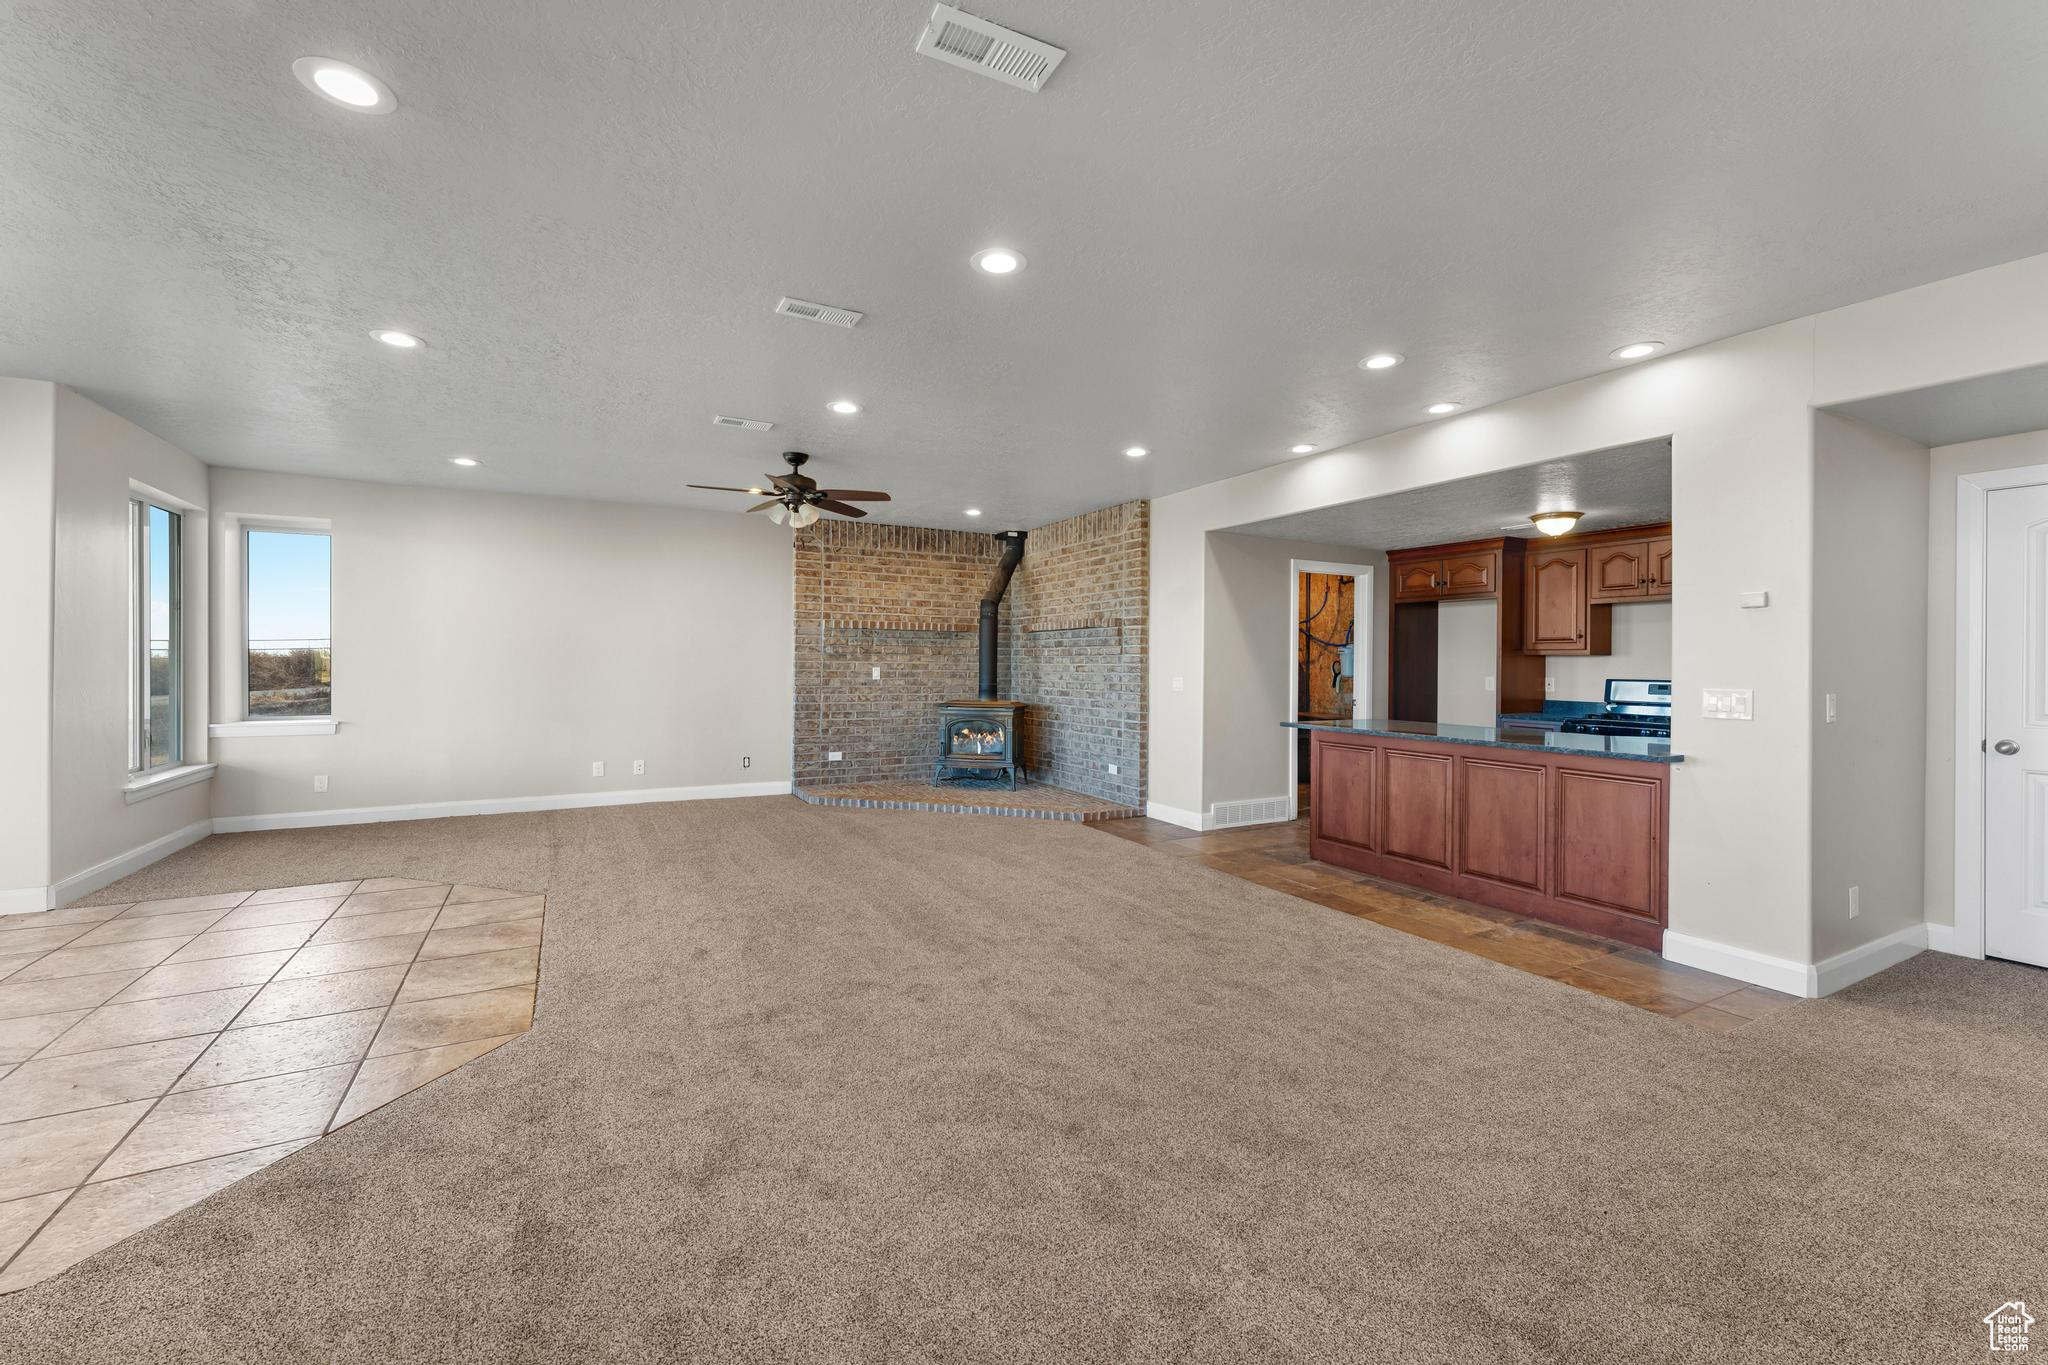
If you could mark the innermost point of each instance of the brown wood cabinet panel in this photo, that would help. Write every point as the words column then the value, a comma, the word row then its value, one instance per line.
column 1415, row 811
column 1417, row 579
column 1500, row 822
column 1341, row 802
column 1471, row 575
column 1609, row 841
column 1554, row 602
column 1660, row 567
column 1618, row 572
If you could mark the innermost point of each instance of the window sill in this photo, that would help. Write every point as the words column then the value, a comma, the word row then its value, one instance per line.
column 296, row 725
column 143, row 786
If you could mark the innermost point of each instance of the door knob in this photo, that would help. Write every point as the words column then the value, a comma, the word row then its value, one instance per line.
column 2006, row 747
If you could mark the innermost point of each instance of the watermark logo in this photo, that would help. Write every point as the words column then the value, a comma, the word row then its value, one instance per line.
column 2008, row 1324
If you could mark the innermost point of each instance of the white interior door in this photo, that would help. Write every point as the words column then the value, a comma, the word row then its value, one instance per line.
column 2016, row 725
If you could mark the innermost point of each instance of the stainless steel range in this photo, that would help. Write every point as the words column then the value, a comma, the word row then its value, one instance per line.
column 1635, row 706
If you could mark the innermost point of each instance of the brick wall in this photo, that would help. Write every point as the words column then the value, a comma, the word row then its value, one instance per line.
column 905, row 599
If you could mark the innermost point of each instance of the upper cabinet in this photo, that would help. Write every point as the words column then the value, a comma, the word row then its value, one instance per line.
column 1473, row 573
column 1554, row 601
column 1629, row 570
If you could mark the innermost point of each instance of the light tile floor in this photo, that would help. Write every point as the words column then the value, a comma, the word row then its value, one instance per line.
column 151, row 1054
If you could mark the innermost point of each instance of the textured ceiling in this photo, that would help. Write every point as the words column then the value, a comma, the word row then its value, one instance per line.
column 589, row 208
column 1626, row 486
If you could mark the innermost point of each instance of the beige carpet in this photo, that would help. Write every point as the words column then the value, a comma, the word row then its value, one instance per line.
column 835, row 1085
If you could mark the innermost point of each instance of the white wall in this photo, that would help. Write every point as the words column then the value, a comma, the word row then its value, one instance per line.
column 1869, row 649
column 1945, row 464
column 1254, row 643
column 1467, row 655
column 1742, row 459
column 27, row 480
column 98, row 457
column 1642, row 649
column 490, row 646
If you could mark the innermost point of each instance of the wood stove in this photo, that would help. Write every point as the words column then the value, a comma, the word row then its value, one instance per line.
column 977, row 739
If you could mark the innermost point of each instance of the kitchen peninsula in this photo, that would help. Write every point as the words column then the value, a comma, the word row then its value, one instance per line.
column 1570, row 828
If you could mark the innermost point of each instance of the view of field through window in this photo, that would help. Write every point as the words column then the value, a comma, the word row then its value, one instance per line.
column 290, row 652
column 161, row 571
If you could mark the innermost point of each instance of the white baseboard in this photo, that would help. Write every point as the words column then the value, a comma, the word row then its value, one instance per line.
column 1941, row 938
column 1846, row 969
column 492, row 805
column 1758, row 969
column 81, row 884
column 1174, row 815
column 24, row 900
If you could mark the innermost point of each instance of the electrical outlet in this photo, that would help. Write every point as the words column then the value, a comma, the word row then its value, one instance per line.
column 1855, row 901
column 320, row 782
column 1180, row 684
column 834, row 756
column 1831, row 708
column 1112, row 770
column 1550, row 684
column 877, row 674
column 746, row 762
column 639, row 766
column 1489, row 682
column 597, row 768
column 1726, row 703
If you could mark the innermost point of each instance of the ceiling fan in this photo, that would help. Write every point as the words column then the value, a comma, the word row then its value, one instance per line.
column 797, row 499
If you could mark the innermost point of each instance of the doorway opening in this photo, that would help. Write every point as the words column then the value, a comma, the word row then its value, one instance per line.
column 1330, row 650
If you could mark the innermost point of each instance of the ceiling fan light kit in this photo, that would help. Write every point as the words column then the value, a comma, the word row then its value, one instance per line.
column 797, row 501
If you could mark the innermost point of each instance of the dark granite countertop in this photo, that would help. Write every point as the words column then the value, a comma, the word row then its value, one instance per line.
column 1503, row 737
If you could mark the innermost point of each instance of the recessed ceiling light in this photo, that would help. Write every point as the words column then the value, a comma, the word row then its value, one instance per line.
column 1380, row 360
column 998, row 260
column 1136, row 452
column 1301, row 450
column 404, row 341
column 845, row 407
column 1439, row 409
column 351, row 87
column 974, row 511
column 1636, row 350
column 465, row 461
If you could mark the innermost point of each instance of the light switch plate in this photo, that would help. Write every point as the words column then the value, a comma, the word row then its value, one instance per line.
column 833, row 756
column 1831, row 708
column 1752, row 601
column 1726, row 703
column 1489, row 682
column 877, row 675
column 1180, row 684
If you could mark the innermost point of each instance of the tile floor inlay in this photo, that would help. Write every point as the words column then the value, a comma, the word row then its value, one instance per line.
column 152, row 1054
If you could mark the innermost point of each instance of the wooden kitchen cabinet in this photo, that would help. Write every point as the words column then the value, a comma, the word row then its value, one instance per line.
column 1473, row 573
column 1629, row 570
column 1575, row 839
column 1558, row 616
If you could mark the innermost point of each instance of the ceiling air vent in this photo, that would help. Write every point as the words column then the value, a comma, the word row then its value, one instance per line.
column 959, row 38
column 742, row 423
column 819, row 312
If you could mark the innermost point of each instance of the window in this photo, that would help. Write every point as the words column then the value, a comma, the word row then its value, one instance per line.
column 157, row 719
column 285, row 610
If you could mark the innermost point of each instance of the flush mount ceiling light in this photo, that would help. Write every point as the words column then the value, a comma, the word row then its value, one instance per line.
column 465, row 461
column 973, row 511
column 1136, row 452
column 845, row 407
column 1556, row 523
column 1636, row 350
column 403, row 341
column 1439, row 409
column 1301, row 450
column 351, row 87
column 998, row 260
column 1381, row 360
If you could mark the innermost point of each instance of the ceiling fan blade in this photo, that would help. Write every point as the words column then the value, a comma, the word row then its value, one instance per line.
column 720, row 488
column 842, row 508
column 764, row 506
column 854, row 494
